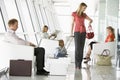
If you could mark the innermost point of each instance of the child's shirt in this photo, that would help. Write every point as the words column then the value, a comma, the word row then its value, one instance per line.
column 44, row 35
column 60, row 50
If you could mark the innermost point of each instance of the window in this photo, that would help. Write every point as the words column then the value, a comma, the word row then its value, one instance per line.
column 42, row 10
column 12, row 11
column 28, row 23
column 50, row 20
column 39, row 17
column 64, row 17
column 2, row 23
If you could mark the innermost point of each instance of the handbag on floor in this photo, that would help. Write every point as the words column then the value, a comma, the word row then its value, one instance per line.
column 20, row 68
column 104, row 59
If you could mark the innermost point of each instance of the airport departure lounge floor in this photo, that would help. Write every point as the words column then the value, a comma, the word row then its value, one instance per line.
column 88, row 73
column 92, row 72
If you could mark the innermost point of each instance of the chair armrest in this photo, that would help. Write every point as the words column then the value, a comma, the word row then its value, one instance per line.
column 12, row 51
column 99, row 47
column 49, row 45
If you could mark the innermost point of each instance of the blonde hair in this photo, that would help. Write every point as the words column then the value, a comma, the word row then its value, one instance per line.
column 79, row 9
column 112, row 30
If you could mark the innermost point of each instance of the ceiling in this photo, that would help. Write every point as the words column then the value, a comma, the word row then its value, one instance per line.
column 73, row 4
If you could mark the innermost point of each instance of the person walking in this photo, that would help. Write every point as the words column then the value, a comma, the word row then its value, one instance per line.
column 78, row 19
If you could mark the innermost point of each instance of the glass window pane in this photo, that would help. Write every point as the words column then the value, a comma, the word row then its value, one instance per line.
column 50, row 21
column 64, row 17
column 26, row 16
column 2, row 26
column 63, row 10
column 29, row 27
column 44, row 15
column 39, row 14
column 13, row 12
column 34, row 16
column 64, row 22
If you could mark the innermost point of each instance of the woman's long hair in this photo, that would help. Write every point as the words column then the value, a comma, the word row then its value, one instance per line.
column 79, row 9
column 112, row 30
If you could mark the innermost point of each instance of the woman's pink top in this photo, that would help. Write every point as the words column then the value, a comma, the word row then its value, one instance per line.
column 79, row 22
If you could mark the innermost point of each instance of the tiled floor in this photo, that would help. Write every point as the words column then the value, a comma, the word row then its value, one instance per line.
column 88, row 72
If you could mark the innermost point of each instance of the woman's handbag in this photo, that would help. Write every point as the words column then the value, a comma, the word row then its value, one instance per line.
column 89, row 33
column 104, row 59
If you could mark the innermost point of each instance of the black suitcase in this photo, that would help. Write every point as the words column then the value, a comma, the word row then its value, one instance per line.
column 20, row 68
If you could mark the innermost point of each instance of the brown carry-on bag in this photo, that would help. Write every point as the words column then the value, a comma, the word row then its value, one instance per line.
column 20, row 68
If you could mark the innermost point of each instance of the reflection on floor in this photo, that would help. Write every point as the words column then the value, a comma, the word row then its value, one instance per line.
column 88, row 72
column 97, row 73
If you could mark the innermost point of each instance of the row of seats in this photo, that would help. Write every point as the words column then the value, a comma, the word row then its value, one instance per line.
column 12, row 51
column 56, row 66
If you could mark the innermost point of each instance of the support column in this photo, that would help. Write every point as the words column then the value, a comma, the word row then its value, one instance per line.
column 112, row 13
column 101, row 19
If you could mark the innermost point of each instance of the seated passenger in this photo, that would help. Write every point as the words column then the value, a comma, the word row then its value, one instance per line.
column 45, row 35
column 110, row 37
column 39, row 52
column 61, row 50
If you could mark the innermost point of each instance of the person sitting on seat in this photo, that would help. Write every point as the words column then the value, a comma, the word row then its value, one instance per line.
column 39, row 52
column 61, row 50
column 45, row 35
column 110, row 37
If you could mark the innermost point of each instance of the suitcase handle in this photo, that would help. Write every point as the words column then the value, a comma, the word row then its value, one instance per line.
column 21, row 60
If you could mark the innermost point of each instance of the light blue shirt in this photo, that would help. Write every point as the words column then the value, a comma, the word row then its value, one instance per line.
column 61, row 50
